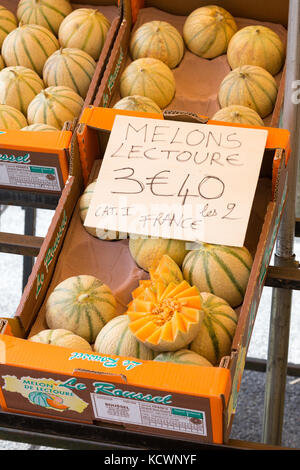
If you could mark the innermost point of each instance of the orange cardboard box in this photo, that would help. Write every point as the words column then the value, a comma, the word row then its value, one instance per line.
column 197, row 80
column 34, row 161
column 192, row 403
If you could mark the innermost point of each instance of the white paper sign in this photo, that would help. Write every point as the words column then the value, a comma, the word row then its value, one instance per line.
column 179, row 180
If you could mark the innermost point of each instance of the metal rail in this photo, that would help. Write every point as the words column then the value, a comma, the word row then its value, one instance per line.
column 284, row 254
column 77, row 436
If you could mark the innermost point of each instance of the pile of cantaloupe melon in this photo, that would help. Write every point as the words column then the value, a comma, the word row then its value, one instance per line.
column 48, row 58
column 184, row 312
column 254, row 53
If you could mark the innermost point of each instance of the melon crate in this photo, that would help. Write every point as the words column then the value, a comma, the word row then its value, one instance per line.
column 53, row 56
column 152, row 369
column 195, row 74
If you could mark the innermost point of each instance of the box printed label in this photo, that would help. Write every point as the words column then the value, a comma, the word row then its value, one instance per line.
column 149, row 414
column 47, row 393
column 29, row 176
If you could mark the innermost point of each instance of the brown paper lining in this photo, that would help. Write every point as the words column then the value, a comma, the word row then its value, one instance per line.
column 109, row 261
column 198, row 80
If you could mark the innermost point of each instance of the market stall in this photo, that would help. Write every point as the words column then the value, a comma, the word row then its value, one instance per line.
column 205, row 396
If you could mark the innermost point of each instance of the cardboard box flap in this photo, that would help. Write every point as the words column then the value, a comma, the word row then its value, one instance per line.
column 36, row 140
column 103, row 118
column 275, row 11
column 95, row 122
column 157, row 375
column 184, row 116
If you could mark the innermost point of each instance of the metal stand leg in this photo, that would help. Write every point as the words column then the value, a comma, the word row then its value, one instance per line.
column 29, row 229
column 276, row 370
column 282, row 298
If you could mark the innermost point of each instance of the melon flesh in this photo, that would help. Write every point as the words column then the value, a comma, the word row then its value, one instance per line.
column 170, row 320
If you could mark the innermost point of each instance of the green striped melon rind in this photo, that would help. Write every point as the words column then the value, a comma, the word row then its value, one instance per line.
column 55, row 106
column 11, row 118
column 85, row 29
column 219, row 269
column 238, row 114
column 208, row 30
column 29, row 45
column 149, row 77
column 70, row 67
column 159, row 40
column 84, row 203
column 147, row 252
column 18, row 86
column 46, row 13
column 39, row 128
column 82, row 304
column 251, row 86
column 183, row 356
column 214, row 339
column 8, row 22
column 138, row 103
column 256, row 45
column 61, row 337
column 116, row 338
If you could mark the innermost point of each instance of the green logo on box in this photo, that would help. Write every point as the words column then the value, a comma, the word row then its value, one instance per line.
column 42, row 169
column 187, row 413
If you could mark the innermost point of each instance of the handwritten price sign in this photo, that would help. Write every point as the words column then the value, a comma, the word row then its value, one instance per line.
column 179, row 180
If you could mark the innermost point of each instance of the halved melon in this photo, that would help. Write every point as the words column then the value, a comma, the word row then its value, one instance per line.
column 167, row 320
column 167, row 271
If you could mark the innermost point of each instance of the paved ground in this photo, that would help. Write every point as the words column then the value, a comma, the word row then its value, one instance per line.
column 248, row 420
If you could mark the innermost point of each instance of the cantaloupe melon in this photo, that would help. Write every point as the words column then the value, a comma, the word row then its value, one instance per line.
column 84, row 203
column 137, row 103
column 85, row 29
column 217, row 330
column 170, row 320
column 54, row 106
column 208, row 30
column 61, row 337
column 151, row 78
column 238, row 114
column 8, row 22
column 11, row 118
column 147, row 252
column 159, row 40
column 256, row 45
column 29, row 45
column 47, row 13
column 251, row 86
column 39, row 398
column 116, row 338
column 81, row 304
column 167, row 271
column 219, row 269
column 70, row 67
column 18, row 86
column 183, row 356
